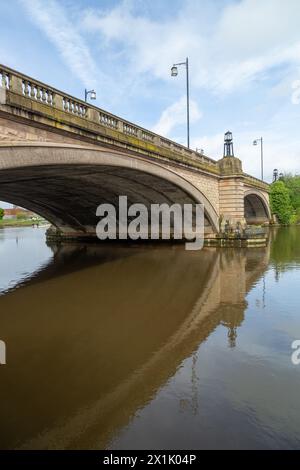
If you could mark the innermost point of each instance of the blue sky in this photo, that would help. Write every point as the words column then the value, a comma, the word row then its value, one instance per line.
column 244, row 66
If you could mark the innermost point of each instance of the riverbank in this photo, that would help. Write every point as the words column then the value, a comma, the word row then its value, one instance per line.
column 4, row 223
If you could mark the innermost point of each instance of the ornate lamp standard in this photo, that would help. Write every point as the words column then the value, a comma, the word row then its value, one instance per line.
column 255, row 142
column 174, row 73
column 228, row 145
column 92, row 94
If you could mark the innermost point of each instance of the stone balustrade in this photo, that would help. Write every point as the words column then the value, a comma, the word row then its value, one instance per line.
column 36, row 91
column 252, row 181
column 108, row 120
column 75, row 107
column 4, row 78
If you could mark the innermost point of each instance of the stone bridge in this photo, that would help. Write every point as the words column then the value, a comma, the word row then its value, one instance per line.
column 61, row 157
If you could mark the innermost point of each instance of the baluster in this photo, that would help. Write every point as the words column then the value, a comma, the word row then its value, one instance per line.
column 32, row 91
column 44, row 96
column 38, row 93
column 3, row 81
column 26, row 88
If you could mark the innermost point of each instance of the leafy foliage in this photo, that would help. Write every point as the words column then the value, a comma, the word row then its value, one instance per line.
column 1, row 213
column 281, row 202
column 293, row 185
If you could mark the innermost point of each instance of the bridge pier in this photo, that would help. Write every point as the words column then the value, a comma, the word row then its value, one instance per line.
column 231, row 192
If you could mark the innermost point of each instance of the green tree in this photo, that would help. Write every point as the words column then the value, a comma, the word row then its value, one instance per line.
column 1, row 213
column 281, row 202
column 293, row 185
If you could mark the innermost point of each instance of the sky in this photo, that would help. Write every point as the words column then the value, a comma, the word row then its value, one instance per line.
column 244, row 58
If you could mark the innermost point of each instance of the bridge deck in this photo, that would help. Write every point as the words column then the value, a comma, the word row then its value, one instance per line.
column 47, row 106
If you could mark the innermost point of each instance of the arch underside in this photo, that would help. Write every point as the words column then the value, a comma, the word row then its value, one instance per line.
column 67, row 195
column 256, row 209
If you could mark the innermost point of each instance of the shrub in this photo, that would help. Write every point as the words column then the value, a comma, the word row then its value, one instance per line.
column 281, row 202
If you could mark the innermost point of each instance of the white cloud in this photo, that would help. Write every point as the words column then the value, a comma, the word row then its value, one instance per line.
column 212, row 145
column 52, row 19
column 174, row 115
column 296, row 92
column 229, row 49
column 246, row 40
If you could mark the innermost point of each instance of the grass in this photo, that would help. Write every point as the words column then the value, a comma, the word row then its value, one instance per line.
column 21, row 222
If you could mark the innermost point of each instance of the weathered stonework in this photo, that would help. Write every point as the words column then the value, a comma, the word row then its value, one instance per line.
column 60, row 156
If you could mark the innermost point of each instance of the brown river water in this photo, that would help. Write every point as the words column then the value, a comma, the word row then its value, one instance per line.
column 148, row 347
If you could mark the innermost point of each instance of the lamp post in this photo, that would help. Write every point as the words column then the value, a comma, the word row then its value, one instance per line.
column 255, row 142
column 92, row 94
column 174, row 73
column 228, row 145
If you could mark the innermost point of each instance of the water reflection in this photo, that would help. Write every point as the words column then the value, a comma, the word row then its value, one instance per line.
column 104, row 342
column 23, row 252
column 285, row 249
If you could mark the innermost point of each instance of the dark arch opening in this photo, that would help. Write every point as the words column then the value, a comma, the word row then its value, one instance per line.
column 256, row 210
column 68, row 195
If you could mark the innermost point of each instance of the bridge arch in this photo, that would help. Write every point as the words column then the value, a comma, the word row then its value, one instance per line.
column 65, row 183
column 256, row 207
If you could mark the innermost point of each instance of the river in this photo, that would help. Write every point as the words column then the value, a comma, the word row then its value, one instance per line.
column 150, row 347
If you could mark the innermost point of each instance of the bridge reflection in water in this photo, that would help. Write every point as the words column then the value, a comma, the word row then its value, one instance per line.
column 96, row 333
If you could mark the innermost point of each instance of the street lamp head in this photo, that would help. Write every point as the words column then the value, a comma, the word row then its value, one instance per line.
column 174, row 71
column 255, row 142
column 275, row 174
column 228, row 145
column 89, row 93
column 228, row 137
